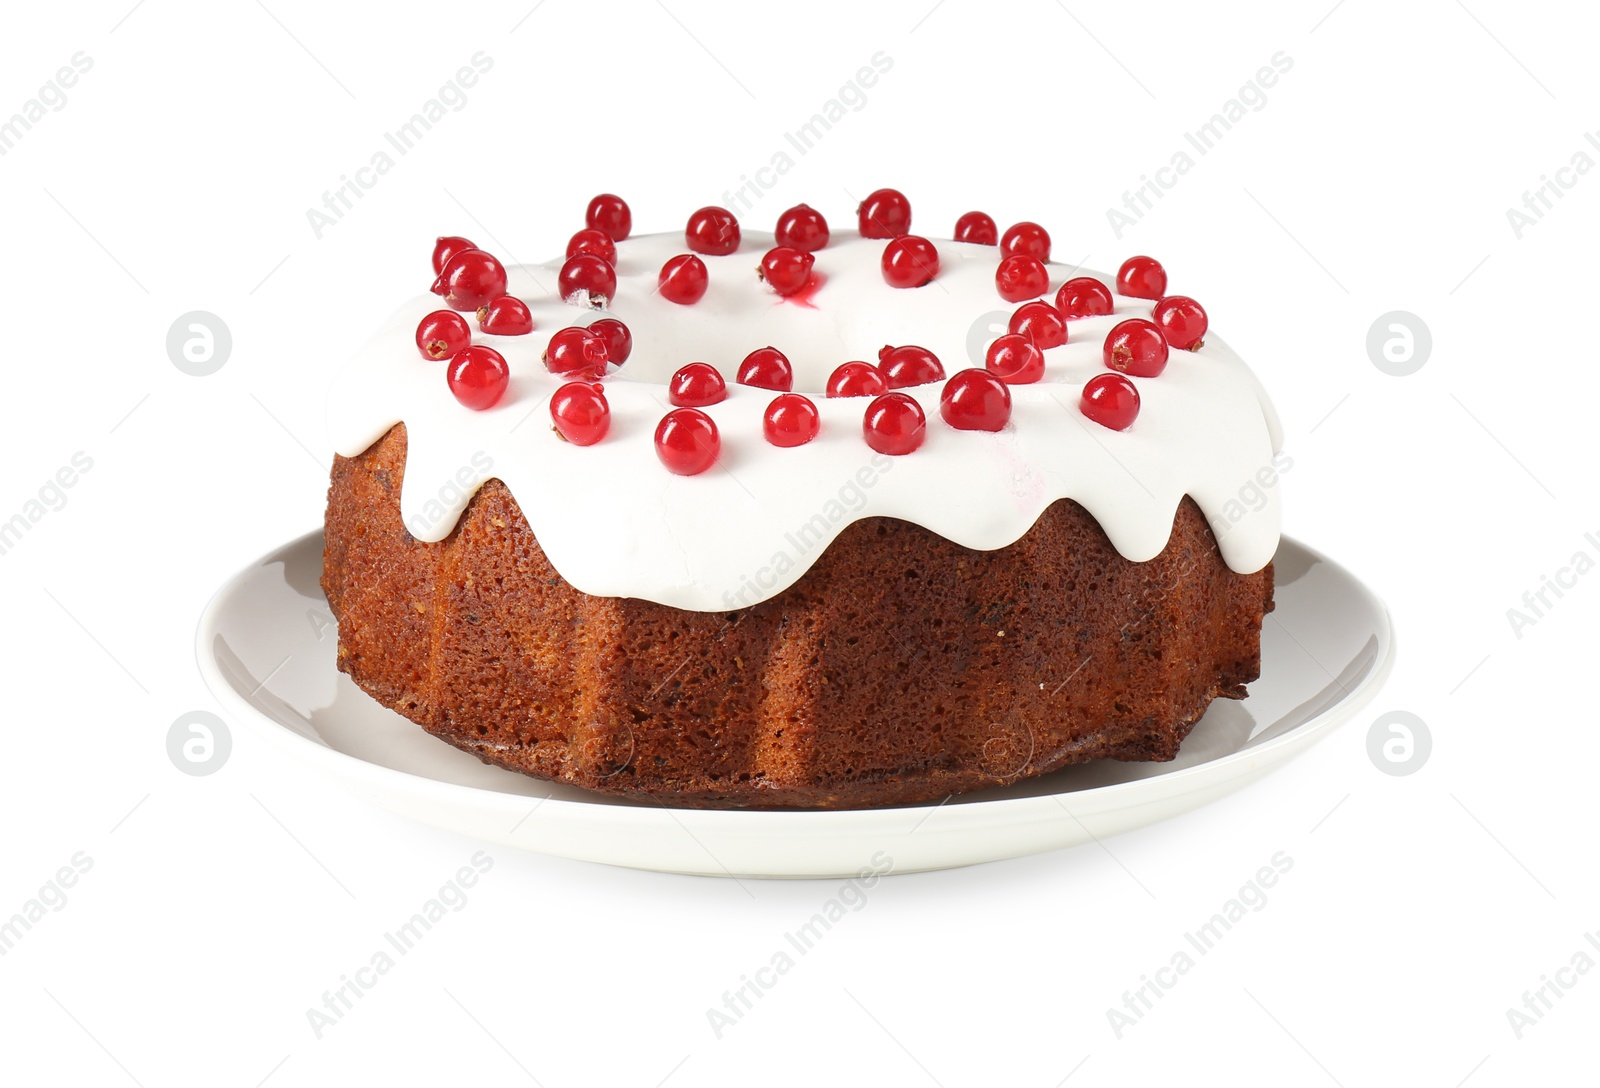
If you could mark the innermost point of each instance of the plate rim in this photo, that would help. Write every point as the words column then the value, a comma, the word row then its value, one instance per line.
column 1179, row 782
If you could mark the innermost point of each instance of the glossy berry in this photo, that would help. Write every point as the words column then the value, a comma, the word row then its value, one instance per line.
column 696, row 385
column 1142, row 277
column 441, row 334
column 894, row 424
column 766, row 368
column 478, row 376
column 910, row 261
column 978, row 228
column 1182, row 320
column 1040, row 322
column 587, row 279
column 1028, row 239
column 856, row 379
column 683, row 279
column 505, row 316
column 687, row 441
column 975, row 400
column 712, row 230
column 802, row 227
column 1111, row 401
column 909, row 365
column 1083, row 296
column 619, row 341
column 610, row 214
column 790, row 420
column 1136, row 347
column 785, row 269
column 1015, row 360
column 579, row 412
column 598, row 242
column 577, row 352
column 1021, row 277
column 447, row 246
column 886, row 213
column 470, row 279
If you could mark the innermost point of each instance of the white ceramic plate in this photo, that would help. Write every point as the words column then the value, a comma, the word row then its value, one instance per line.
column 266, row 648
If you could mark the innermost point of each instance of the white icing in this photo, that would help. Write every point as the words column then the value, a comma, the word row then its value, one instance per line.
column 614, row 522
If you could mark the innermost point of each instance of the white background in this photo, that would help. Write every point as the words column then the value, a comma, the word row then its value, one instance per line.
column 1377, row 177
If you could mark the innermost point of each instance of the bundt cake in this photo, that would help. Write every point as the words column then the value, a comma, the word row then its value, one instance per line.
column 646, row 520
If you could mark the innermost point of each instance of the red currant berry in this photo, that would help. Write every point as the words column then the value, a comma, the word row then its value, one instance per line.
column 441, row 334
column 802, row 227
column 766, row 368
column 975, row 400
column 856, row 379
column 687, row 441
column 1015, row 360
column 1111, row 401
column 1028, row 239
column 598, row 242
column 1136, row 347
column 576, row 351
column 909, row 365
column 886, row 213
column 580, row 413
column 910, row 261
column 894, row 424
column 1040, row 322
column 505, row 316
column 447, row 246
column 470, row 279
column 619, row 341
column 587, row 273
column 1183, row 321
column 1142, row 277
column 683, row 279
column 1021, row 277
column 610, row 214
column 790, row 420
column 712, row 230
column 786, row 269
column 478, row 376
column 977, row 228
column 1083, row 296
column 696, row 385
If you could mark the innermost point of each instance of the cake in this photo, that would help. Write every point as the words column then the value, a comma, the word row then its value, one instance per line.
column 637, row 547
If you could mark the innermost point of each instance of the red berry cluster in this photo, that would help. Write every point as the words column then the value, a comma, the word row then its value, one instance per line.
column 687, row 440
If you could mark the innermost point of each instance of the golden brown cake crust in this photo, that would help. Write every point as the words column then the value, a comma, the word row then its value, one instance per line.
column 900, row 668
